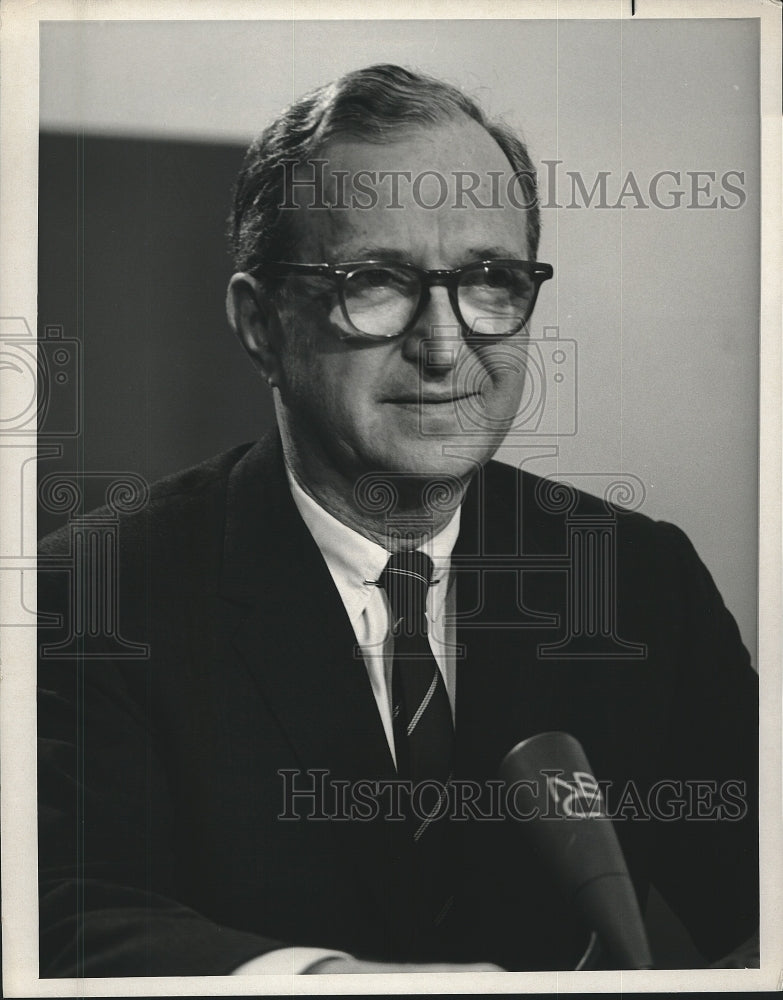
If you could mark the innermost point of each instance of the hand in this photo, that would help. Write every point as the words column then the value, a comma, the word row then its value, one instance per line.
column 349, row 966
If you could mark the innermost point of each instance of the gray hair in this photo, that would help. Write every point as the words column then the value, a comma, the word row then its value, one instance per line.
column 373, row 104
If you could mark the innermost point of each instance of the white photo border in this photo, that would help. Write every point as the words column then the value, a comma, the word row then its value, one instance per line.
column 19, row 23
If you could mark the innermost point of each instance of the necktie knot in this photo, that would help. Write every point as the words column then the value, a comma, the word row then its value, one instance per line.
column 406, row 580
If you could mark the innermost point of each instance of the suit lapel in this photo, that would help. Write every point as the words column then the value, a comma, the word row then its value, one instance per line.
column 505, row 692
column 293, row 632
column 295, row 637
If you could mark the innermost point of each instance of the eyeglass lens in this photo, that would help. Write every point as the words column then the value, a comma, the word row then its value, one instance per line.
column 493, row 300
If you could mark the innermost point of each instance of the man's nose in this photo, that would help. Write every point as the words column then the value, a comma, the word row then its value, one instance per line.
column 435, row 338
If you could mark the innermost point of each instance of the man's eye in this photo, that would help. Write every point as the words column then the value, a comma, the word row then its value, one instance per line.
column 499, row 277
column 377, row 278
column 507, row 280
column 488, row 277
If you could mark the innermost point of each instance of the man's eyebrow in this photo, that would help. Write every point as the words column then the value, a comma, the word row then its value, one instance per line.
column 395, row 254
column 493, row 253
column 375, row 253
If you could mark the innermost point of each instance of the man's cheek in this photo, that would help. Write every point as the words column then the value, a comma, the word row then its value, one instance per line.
column 503, row 387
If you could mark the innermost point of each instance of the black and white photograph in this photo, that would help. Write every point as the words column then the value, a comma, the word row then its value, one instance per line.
column 391, row 534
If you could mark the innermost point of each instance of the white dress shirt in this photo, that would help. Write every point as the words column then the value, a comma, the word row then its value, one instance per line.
column 355, row 564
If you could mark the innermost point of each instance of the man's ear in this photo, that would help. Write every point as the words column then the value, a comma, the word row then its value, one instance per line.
column 254, row 318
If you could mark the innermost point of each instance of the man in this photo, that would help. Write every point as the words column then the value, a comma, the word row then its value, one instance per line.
column 363, row 607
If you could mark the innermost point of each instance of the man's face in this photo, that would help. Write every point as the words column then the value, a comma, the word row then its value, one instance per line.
column 428, row 402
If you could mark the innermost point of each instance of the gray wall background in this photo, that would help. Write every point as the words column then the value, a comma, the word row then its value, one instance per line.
column 142, row 131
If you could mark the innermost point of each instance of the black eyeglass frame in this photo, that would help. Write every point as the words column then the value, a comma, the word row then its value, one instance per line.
column 449, row 278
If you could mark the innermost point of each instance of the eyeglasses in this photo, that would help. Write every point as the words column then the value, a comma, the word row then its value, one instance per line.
column 490, row 298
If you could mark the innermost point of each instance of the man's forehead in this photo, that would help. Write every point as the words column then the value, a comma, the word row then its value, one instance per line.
column 459, row 143
column 452, row 179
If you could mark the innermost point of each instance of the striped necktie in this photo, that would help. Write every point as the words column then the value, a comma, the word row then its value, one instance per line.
column 423, row 727
column 424, row 748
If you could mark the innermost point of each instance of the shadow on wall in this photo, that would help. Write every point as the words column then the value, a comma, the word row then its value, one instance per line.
column 133, row 265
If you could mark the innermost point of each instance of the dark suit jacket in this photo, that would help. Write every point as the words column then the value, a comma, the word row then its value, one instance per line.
column 161, row 850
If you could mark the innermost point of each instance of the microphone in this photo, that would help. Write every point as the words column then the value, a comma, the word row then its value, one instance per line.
column 576, row 839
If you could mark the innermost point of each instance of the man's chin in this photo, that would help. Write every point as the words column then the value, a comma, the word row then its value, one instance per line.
column 443, row 456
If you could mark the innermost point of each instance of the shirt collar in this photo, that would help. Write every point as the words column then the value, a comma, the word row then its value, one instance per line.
column 355, row 561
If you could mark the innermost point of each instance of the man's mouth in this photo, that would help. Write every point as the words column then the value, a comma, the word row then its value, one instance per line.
column 429, row 398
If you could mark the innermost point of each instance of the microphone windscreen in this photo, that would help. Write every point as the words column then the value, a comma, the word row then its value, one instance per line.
column 551, row 785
